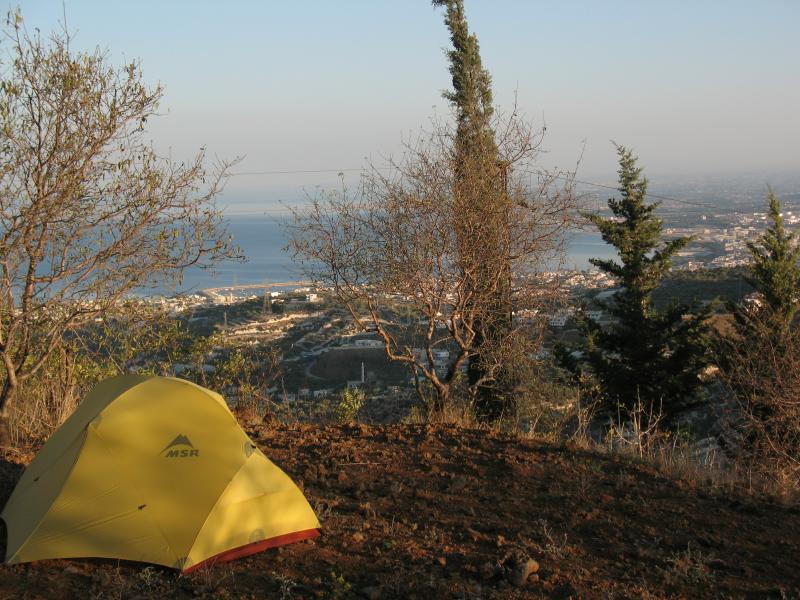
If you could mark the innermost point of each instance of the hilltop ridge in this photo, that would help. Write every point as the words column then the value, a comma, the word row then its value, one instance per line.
column 423, row 511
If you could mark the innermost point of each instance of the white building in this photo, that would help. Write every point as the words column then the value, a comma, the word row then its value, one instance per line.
column 368, row 344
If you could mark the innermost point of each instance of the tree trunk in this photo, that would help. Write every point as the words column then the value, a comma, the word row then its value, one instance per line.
column 439, row 403
column 6, row 397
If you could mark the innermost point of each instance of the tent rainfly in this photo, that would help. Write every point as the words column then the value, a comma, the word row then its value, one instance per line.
column 153, row 469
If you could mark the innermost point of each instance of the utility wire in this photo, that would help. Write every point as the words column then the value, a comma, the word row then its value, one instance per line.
column 294, row 172
column 561, row 177
column 657, row 196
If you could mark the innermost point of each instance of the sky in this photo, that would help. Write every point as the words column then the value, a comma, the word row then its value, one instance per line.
column 697, row 87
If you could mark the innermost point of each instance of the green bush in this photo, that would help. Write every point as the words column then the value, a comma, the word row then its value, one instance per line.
column 349, row 405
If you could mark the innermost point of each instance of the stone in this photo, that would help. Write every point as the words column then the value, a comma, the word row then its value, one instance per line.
column 566, row 591
column 372, row 592
column 458, row 484
column 487, row 570
column 366, row 509
column 519, row 575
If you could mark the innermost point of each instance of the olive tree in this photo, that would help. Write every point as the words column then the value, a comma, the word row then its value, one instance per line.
column 89, row 212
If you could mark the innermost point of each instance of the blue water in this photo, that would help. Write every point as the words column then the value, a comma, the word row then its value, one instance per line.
column 262, row 240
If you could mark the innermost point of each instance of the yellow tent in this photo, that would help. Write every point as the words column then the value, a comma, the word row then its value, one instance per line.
column 153, row 469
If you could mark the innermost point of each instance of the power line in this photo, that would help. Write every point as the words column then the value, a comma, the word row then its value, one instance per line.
column 562, row 177
column 657, row 196
column 293, row 172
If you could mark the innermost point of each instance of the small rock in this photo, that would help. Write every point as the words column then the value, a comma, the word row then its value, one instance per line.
column 487, row 570
column 73, row 570
column 366, row 509
column 459, row 483
column 501, row 541
column 372, row 592
column 522, row 571
column 565, row 592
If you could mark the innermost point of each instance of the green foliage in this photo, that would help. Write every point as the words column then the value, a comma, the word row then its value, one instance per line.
column 764, row 326
column 349, row 405
column 338, row 587
column 472, row 85
column 647, row 357
column 759, row 359
column 482, row 202
column 775, row 273
column 89, row 212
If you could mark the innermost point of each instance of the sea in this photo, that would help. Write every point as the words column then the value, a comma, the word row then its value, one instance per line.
column 263, row 240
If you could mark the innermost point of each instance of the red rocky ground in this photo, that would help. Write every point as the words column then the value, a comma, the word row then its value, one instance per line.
column 439, row 512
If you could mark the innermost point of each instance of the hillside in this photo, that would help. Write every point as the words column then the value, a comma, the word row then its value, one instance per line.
column 438, row 512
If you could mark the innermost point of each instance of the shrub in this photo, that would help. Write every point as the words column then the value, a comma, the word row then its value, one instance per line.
column 349, row 405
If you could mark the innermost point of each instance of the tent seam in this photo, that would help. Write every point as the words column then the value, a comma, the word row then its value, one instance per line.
column 208, row 516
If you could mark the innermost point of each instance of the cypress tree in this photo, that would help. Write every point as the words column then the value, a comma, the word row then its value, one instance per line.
column 764, row 329
column 775, row 274
column 759, row 358
column 647, row 358
column 482, row 206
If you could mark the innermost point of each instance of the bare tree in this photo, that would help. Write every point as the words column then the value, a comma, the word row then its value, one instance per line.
column 88, row 210
column 763, row 371
column 396, row 254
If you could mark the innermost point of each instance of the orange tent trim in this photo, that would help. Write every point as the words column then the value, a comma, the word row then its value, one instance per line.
column 255, row 548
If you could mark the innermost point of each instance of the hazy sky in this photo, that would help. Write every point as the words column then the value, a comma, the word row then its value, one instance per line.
column 695, row 86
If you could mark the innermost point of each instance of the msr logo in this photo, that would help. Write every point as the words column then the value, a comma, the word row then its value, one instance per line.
column 180, row 447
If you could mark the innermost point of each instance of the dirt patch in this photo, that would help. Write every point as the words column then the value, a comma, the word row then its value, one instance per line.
column 339, row 364
column 438, row 512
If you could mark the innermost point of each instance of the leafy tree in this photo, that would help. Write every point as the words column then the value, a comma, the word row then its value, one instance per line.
column 88, row 211
column 647, row 359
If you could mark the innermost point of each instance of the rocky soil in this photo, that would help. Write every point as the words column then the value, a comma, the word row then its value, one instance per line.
column 438, row 512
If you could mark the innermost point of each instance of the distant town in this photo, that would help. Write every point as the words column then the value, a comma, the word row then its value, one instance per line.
column 324, row 351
